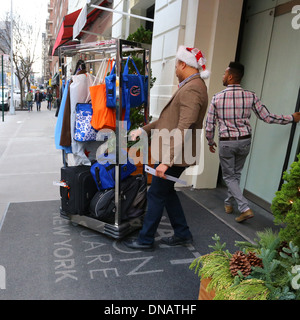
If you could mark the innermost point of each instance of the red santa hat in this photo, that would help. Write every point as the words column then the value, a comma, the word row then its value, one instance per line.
column 193, row 57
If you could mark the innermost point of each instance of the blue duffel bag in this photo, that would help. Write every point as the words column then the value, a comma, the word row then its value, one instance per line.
column 103, row 171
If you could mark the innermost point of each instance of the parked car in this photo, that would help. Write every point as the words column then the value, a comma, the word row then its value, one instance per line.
column 17, row 95
column 6, row 99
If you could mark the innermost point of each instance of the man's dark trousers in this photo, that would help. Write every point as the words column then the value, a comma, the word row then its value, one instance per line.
column 162, row 195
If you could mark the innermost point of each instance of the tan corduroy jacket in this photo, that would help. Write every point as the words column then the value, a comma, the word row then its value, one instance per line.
column 171, row 142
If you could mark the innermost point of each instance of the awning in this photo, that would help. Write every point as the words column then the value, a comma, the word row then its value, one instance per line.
column 65, row 34
column 55, row 80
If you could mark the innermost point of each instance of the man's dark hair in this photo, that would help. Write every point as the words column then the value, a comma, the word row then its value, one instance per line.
column 80, row 66
column 237, row 69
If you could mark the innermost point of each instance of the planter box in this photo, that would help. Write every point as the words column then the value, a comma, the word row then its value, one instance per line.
column 203, row 293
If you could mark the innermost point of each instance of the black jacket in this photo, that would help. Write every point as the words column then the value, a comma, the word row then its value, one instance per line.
column 38, row 97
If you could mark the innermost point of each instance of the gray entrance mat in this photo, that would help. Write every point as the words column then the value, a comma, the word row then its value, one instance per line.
column 44, row 256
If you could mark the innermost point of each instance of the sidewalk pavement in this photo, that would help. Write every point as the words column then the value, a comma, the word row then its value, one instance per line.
column 29, row 163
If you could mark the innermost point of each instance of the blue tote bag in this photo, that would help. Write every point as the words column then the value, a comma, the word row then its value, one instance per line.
column 111, row 97
column 134, row 89
column 135, row 85
column 58, row 127
column 110, row 83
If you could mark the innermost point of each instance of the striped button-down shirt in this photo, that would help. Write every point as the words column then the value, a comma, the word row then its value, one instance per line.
column 231, row 108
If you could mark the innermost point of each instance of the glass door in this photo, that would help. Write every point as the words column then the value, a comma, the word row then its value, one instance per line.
column 280, row 87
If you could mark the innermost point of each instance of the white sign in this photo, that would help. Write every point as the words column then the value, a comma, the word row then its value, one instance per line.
column 80, row 22
column 168, row 177
column 5, row 57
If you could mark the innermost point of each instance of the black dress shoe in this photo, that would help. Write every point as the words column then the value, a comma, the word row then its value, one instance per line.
column 133, row 244
column 175, row 241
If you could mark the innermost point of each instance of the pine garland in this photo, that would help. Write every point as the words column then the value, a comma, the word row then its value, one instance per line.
column 251, row 289
column 286, row 205
column 215, row 266
column 272, row 270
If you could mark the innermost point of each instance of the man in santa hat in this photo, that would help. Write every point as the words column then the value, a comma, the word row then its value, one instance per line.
column 185, row 111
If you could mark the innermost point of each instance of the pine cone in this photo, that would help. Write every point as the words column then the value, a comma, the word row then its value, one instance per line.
column 254, row 260
column 240, row 262
column 283, row 244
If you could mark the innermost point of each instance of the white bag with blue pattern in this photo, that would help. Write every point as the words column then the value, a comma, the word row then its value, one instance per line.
column 83, row 128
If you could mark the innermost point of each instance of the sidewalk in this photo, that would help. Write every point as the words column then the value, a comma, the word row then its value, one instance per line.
column 29, row 163
column 213, row 201
column 47, row 257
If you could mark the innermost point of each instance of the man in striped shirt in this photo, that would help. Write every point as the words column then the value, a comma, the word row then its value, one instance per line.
column 231, row 109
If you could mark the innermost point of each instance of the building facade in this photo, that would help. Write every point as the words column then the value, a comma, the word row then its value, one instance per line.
column 5, row 51
column 264, row 35
column 62, row 16
column 57, row 9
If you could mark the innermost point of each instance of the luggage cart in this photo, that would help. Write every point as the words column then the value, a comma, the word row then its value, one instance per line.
column 112, row 48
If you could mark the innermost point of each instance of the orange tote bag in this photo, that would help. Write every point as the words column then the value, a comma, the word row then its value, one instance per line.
column 103, row 117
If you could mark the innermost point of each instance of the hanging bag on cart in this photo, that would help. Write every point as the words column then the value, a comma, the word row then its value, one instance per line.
column 103, row 117
column 111, row 96
column 83, row 128
column 110, row 83
column 134, row 89
column 111, row 90
column 135, row 85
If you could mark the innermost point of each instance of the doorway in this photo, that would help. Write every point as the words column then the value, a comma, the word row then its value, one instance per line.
column 270, row 53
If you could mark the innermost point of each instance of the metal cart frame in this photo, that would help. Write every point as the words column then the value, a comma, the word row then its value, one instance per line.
column 110, row 48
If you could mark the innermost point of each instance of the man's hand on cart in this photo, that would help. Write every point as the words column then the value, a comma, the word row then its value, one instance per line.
column 134, row 134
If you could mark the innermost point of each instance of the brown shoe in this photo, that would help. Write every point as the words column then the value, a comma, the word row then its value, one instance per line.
column 244, row 216
column 228, row 209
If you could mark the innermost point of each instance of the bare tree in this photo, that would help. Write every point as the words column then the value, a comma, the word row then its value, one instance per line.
column 25, row 42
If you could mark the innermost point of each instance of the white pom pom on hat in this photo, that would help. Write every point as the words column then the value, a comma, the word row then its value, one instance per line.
column 193, row 57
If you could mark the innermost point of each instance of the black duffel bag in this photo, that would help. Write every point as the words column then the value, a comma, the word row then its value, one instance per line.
column 133, row 200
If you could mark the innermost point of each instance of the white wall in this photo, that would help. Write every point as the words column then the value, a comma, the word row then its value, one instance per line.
column 217, row 35
column 75, row 5
column 167, row 34
column 120, row 22
column 213, row 27
column 210, row 25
